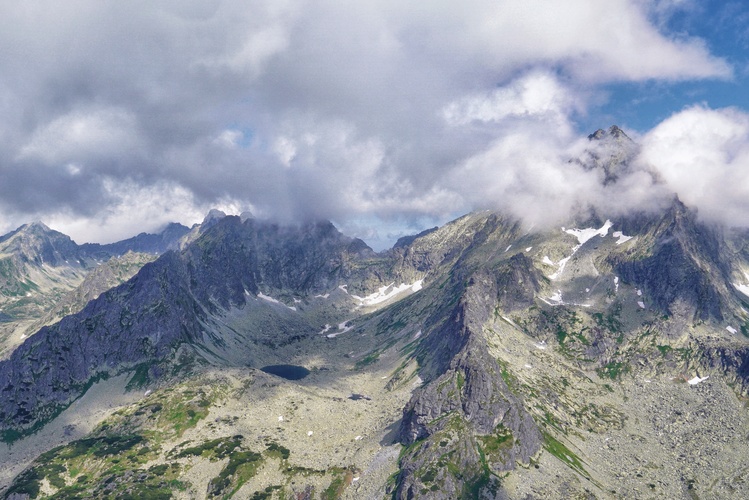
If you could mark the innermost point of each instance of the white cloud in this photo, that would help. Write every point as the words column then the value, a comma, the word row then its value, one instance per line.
column 134, row 209
column 703, row 155
column 595, row 40
column 229, row 138
column 315, row 108
column 260, row 48
column 285, row 149
column 73, row 169
column 83, row 135
column 538, row 95
column 526, row 177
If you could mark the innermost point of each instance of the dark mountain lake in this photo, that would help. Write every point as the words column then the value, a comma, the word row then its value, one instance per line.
column 289, row 372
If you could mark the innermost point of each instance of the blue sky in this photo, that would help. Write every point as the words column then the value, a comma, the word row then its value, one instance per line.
column 724, row 28
column 386, row 117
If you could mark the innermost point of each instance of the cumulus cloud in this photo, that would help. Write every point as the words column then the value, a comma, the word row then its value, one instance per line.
column 83, row 136
column 703, row 155
column 539, row 171
column 309, row 109
column 537, row 95
column 133, row 209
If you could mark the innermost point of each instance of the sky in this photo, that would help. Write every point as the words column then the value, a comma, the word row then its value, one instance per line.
column 383, row 116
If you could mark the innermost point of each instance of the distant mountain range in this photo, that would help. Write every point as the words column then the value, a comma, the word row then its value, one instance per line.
column 36, row 261
column 605, row 359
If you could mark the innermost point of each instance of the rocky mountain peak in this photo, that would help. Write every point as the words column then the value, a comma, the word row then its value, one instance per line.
column 610, row 152
column 614, row 132
column 32, row 229
column 213, row 216
column 36, row 242
column 684, row 264
column 36, row 226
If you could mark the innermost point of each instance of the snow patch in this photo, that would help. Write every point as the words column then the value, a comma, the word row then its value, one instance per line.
column 527, row 366
column 582, row 235
column 261, row 295
column 561, row 265
column 743, row 288
column 639, row 293
column 509, row 321
column 556, row 300
column 697, row 380
column 147, row 392
column 325, row 330
column 387, row 292
column 616, row 284
column 541, row 345
column 508, row 248
column 309, row 433
column 418, row 334
column 641, row 304
column 343, row 329
column 358, row 438
column 322, row 296
column 529, row 249
column 280, row 418
column 270, row 299
column 732, row 330
column 621, row 236
column 547, row 260
column 343, row 288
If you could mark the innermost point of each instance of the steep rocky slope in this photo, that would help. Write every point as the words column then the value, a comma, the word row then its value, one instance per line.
column 43, row 274
column 109, row 274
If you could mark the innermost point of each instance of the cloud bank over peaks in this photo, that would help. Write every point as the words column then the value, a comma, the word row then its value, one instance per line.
column 536, row 166
column 314, row 109
column 699, row 154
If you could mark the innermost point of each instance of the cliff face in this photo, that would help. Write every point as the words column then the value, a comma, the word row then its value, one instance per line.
column 465, row 425
column 36, row 243
column 140, row 320
column 683, row 262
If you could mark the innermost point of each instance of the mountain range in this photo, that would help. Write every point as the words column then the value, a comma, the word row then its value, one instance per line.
column 41, row 270
column 608, row 358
